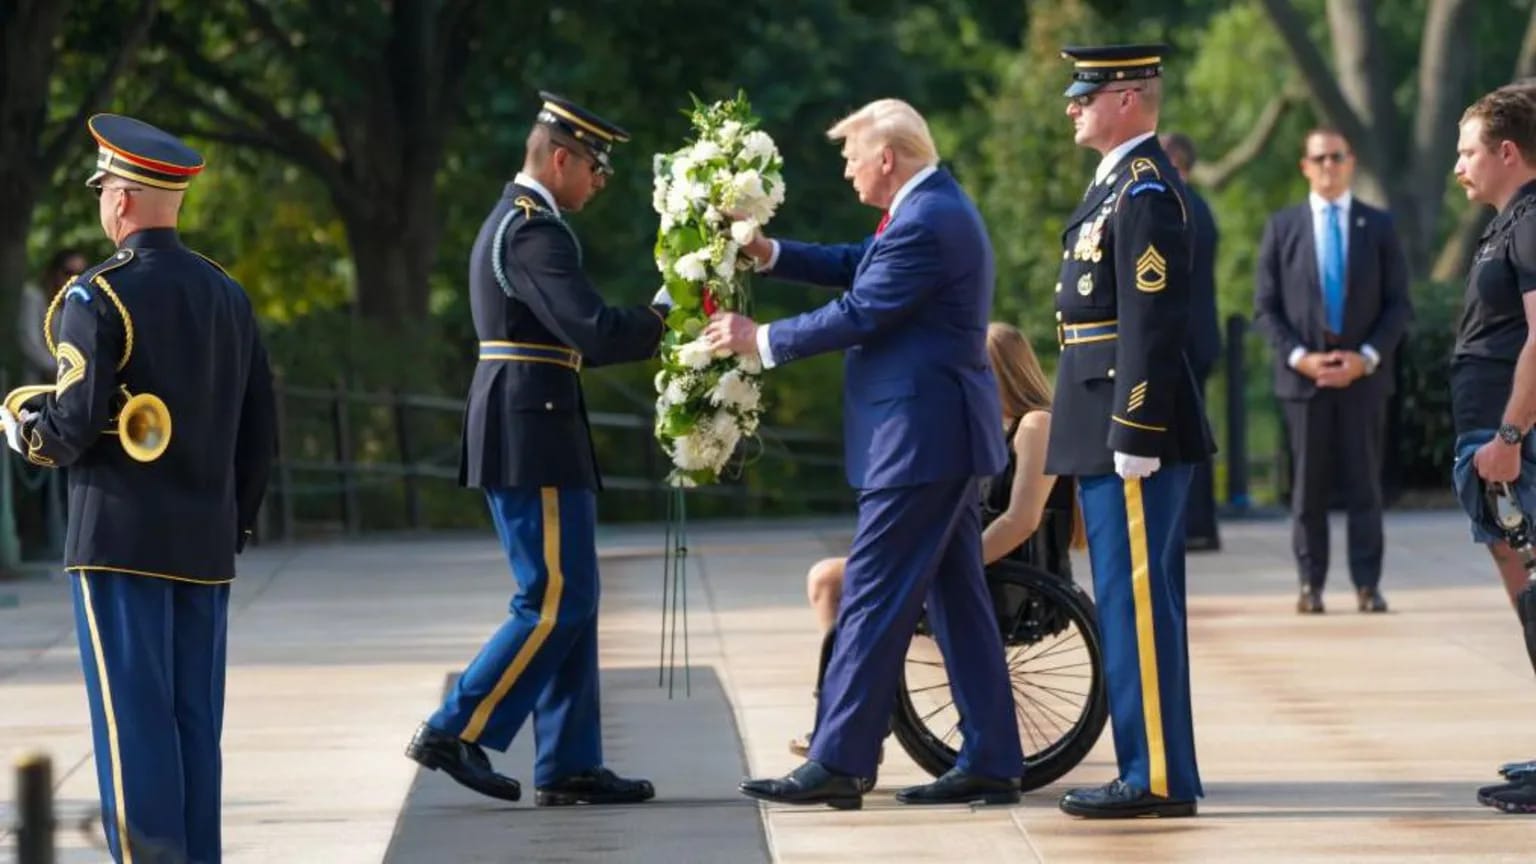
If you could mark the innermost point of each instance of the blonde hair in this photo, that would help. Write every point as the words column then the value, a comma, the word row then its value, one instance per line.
column 1021, row 381
column 889, row 123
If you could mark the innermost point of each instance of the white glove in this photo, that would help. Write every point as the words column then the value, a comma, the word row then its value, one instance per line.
column 12, row 429
column 1135, row 467
column 662, row 298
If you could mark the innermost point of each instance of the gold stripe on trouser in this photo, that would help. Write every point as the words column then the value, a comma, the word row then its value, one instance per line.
column 1146, row 639
column 547, row 614
column 106, row 702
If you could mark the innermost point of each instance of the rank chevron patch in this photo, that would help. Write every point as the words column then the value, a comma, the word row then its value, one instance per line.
column 1151, row 271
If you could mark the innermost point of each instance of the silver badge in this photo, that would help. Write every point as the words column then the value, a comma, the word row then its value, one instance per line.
column 1085, row 284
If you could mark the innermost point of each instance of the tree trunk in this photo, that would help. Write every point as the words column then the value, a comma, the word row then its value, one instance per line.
column 393, row 261
column 390, row 101
column 28, row 33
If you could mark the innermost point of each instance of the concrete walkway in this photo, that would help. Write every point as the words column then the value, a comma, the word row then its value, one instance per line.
column 1337, row 738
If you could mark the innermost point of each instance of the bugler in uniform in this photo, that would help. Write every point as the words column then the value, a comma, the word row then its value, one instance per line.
column 160, row 504
column 1128, row 423
column 526, row 442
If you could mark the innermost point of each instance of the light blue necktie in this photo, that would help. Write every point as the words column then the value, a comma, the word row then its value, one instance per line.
column 1333, row 270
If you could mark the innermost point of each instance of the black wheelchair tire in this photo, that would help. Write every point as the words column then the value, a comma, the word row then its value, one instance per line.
column 936, row 757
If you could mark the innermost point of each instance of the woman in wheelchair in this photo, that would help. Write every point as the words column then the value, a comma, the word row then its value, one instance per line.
column 1028, row 516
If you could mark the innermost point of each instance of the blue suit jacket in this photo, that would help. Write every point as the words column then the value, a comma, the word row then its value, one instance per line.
column 919, row 400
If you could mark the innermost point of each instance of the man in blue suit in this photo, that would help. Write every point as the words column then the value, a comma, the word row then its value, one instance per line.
column 921, row 426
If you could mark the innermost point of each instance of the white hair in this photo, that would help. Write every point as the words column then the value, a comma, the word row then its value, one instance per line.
column 889, row 123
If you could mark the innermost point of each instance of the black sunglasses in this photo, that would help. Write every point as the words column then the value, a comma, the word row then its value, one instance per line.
column 1337, row 157
column 1086, row 99
column 102, row 190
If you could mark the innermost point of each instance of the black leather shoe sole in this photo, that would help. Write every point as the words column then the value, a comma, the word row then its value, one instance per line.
column 557, row 798
column 1161, row 809
column 1002, row 796
column 836, row 802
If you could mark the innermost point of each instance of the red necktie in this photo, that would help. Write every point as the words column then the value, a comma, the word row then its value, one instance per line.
column 885, row 219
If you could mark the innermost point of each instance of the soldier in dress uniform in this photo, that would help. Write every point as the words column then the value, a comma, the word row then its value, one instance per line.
column 1129, row 423
column 526, row 442
column 153, row 532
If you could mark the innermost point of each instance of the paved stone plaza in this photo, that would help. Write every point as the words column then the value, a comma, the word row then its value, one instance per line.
column 1337, row 738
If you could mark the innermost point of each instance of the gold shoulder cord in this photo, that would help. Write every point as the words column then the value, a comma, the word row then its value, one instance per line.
column 99, row 281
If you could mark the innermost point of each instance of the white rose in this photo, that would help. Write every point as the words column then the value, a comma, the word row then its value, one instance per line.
column 750, row 363
column 713, row 216
column 694, row 266
column 744, row 232
column 747, row 186
column 729, row 130
column 758, row 145
column 677, row 200
column 680, row 168
column 705, row 150
column 695, row 354
column 698, row 193
column 736, row 390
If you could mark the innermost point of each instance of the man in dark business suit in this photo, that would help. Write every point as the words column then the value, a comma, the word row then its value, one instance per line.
column 1333, row 301
column 1204, row 346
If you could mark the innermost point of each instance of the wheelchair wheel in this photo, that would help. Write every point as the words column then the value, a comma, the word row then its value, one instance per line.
column 1055, row 666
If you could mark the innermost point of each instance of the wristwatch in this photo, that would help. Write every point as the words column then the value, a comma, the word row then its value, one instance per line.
column 1509, row 433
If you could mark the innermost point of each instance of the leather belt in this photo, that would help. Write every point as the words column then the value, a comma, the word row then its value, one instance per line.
column 1089, row 331
column 531, row 352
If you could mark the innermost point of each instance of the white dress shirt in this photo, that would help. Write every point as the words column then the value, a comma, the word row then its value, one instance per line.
column 1319, row 207
column 1113, row 157
column 764, row 352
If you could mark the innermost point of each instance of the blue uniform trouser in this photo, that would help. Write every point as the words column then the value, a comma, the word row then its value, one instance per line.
column 916, row 544
column 1136, row 547
column 153, row 655
column 543, row 659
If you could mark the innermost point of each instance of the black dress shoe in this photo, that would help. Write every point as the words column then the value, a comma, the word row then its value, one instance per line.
column 811, row 783
column 598, row 786
column 461, row 760
column 1310, row 602
column 1120, row 800
column 1370, row 600
column 957, row 787
column 1516, row 797
column 1518, row 770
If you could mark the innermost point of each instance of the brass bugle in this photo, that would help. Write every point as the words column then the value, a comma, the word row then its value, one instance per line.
column 141, row 423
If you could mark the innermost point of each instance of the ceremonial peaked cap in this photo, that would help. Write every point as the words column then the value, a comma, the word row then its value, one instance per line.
column 592, row 131
column 137, row 151
column 1094, row 67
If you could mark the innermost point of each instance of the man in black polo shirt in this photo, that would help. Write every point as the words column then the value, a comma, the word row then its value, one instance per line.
column 1493, row 369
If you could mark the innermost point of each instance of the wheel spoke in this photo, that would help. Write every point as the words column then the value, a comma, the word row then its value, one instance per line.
column 1068, row 721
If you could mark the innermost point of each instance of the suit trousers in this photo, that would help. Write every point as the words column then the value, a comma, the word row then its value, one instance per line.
column 1336, row 436
column 543, row 659
column 915, row 544
column 153, row 655
column 1136, row 547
